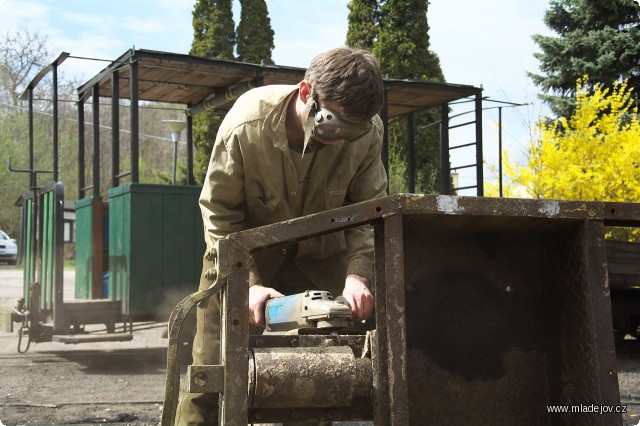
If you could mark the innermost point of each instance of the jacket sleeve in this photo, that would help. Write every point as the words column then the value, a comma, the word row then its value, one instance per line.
column 369, row 182
column 222, row 200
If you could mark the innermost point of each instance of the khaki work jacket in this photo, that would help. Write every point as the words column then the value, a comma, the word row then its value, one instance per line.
column 252, row 181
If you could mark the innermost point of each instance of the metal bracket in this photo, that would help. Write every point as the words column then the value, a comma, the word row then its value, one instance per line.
column 205, row 378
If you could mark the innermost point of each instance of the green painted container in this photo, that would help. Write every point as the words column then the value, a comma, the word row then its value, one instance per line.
column 156, row 244
column 89, row 239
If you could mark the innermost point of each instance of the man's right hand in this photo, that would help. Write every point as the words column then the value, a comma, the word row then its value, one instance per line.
column 258, row 296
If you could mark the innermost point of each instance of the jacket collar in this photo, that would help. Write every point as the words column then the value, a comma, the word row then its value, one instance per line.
column 276, row 114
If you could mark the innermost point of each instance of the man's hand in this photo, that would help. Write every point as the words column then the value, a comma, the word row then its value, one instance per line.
column 356, row 291
column 258, row 296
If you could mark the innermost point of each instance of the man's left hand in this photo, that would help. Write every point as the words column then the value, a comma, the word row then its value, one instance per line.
column 357, row 293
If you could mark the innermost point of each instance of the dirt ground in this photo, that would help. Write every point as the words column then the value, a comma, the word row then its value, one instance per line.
column 89, row 383
column 56, row 386
column 123, row 383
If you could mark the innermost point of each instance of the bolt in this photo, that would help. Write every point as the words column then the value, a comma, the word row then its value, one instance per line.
column 200, row 379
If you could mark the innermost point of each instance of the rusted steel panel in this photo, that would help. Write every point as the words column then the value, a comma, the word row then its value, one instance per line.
column 379, row 349
column 281, row 233
column 395, row 318
column 599, row 331
column 503, row 207
column 501, row 311
column 235, row 337
column 621, row 214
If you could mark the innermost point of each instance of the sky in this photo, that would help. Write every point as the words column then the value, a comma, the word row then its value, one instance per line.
column 486, row 44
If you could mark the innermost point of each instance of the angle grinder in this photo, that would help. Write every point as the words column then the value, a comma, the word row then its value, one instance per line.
column 313, row 309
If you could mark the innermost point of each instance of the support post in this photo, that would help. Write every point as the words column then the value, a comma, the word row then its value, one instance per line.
column 411, row 153
column 445, row 171
column 190, row 179
column 55, row 122
column 81, row 179
column 500, row 149
column 115, row 129
column 134, row 122
column 385, row 138
column 32, row 174
column 479, row 165
column 96, row 140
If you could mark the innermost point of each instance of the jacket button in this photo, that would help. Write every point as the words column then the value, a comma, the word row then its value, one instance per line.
column 293, row 193
column 211, row 254
column 210, row 274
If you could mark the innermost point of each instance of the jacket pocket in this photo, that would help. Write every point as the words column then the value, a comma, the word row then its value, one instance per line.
column 334, row 198
column 262, row 204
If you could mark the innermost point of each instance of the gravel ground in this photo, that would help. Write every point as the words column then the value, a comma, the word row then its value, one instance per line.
column 123, row 383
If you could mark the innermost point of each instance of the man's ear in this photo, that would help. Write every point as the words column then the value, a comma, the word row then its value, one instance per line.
column 304, row 91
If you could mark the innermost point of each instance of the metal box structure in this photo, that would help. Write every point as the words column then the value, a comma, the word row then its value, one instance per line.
column 506, row 313
column 487, row 310
column 156, row 246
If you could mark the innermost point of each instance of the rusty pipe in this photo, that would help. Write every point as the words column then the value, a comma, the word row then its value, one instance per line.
column 307, row 377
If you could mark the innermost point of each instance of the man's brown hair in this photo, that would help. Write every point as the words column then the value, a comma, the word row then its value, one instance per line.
column 348, row 81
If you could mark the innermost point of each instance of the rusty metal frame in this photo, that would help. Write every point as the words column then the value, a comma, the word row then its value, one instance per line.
column 389, row 348
column 386, row 215
column 235, row 325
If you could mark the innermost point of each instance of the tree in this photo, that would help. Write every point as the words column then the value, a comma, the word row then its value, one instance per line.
column 22, row 55
column 403, row 41
column 255, row 36
column 213, row 37
column 600, row 38
column 213, row 29
column 400, row 41
column 594, row 155
column 364, row 17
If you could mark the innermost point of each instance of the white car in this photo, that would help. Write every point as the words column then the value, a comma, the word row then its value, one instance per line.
column 8, row 249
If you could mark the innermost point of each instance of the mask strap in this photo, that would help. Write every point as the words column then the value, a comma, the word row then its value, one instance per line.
column 308, row 125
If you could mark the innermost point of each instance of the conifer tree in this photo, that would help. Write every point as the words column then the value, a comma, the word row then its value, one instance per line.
column 213, row 37
column 403, row 42
column 213, row 29
column 399, row 39
column 255, row 35
column 597, row 37
column 364, row 16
